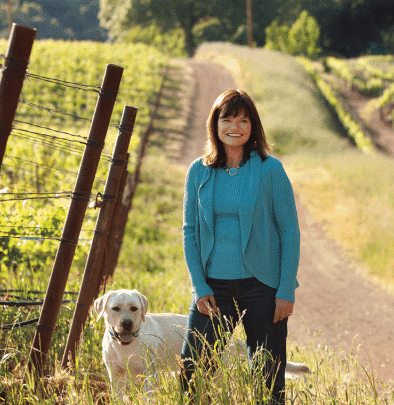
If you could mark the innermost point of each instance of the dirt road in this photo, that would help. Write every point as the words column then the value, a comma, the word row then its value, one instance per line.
column 334, row 301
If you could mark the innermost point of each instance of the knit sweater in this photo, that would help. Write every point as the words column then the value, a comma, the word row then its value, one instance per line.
column 269, row 231
column 225, row 261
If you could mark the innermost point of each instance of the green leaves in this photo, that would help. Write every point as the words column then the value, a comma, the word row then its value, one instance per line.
column 301, row 38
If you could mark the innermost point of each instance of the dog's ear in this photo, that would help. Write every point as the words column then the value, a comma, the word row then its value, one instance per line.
column 144, row 305
column 100, row 304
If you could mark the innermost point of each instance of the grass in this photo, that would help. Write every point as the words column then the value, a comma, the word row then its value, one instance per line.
column 152, row 262
column 325, row 168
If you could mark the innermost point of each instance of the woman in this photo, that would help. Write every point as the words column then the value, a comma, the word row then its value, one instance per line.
column 241, row 237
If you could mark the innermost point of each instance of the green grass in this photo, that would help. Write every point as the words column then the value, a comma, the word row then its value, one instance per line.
column 347, row 191
column 152, row 262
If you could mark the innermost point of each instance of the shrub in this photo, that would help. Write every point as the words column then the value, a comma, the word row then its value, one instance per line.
column 301, row 39
column 277, row 37
column 304, row 36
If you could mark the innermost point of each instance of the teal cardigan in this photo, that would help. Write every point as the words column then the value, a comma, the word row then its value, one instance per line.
column 270, row 235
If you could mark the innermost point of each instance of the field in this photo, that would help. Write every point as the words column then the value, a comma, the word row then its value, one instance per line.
column 152, row 259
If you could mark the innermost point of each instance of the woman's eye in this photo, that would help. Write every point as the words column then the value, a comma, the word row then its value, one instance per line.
column 133, row 309
column 116, row 309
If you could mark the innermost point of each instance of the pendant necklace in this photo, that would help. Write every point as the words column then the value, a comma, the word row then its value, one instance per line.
column 234, row 170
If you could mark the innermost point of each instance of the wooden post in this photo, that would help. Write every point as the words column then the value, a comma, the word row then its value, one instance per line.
column 17, row 57
column 99, row 243
column 249, row 22
column 125, row 199
column 72, row 227
column 115, row 235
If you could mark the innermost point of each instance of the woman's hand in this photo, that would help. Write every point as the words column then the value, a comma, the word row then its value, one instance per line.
column 207, row 305
column 283, row 309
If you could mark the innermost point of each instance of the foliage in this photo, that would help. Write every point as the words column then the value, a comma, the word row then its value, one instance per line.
column 171, row 42
column 348, row 27
column 388, row 40
column 185, row 14
column 353, row 129
column 302, row 38
column 277, row 37
column 371, row 75
column 67, row 19
column 208, row 30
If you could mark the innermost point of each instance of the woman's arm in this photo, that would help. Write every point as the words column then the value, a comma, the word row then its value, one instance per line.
column 285, row 215
column 190, row 216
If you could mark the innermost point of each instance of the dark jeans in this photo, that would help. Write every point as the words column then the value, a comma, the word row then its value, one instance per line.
column 258, row 302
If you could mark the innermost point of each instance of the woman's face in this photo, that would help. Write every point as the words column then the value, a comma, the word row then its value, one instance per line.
column 234, row 131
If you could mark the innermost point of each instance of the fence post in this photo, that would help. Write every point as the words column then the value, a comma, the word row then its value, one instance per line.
column 99, row 243
column 75, row 216
column 116, row 232
column 17, row 57
column 124, row 202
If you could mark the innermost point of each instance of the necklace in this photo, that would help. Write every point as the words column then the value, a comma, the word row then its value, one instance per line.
column 234, row 170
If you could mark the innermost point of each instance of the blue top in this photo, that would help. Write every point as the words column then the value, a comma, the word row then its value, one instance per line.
column 225, row 261
column 268, row 226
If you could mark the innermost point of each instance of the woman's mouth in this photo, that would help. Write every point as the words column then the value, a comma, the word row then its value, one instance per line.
column 234, row 135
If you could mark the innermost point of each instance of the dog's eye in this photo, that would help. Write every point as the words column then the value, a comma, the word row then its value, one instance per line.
column 133, row 309
column 116, row 309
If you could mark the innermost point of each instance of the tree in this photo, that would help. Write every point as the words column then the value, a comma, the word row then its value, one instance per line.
column 304, row 36
column 186, row 14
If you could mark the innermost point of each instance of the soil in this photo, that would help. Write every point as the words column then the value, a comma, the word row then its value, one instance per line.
column 335, row 304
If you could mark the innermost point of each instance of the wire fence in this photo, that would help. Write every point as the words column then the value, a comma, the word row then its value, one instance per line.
column 53, row 139
column 50, row 148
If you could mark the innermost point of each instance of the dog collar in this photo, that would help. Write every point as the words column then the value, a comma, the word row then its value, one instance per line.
column 115, row 336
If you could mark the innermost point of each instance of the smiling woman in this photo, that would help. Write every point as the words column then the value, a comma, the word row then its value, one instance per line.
column 241, row 242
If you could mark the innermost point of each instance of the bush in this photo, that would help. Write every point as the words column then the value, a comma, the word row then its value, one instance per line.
column 277, row 37
column 301, row 39
column 304, row 36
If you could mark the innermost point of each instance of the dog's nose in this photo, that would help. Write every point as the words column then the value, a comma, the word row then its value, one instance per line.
column 127, row 324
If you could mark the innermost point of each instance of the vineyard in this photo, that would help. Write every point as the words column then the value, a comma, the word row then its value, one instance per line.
column 373, row 76
column 46, row 146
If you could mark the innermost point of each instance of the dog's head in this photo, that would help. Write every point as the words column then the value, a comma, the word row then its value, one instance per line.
column 123, row 312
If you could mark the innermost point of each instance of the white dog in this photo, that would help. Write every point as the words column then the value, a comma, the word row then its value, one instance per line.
column 136, row 342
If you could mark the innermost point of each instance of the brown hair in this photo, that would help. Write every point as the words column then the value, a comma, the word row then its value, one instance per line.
column 232, row 103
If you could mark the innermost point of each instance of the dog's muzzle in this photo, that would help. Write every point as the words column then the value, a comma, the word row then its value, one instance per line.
column 116, row 336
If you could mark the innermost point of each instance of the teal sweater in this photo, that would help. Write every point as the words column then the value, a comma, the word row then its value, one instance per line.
column 268, row 226
column 225, row 261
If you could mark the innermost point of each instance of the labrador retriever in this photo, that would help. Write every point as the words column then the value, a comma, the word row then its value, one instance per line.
column 136, row 342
